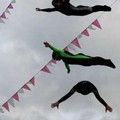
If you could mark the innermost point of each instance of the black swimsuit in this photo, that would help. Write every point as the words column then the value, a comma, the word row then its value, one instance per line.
column 68, row 9
column 84, row 87
column 88, row 61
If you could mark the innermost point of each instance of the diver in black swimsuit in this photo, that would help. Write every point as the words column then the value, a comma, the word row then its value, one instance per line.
column 83, row 87
column 66, row 8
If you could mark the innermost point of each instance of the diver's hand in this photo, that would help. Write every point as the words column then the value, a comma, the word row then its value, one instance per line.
column 108, row 108
column 68, row 71
column 56, row 104
column 46, row 44
column 38, row 9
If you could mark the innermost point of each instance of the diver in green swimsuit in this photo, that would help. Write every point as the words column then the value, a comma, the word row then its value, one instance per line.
column 77, row 59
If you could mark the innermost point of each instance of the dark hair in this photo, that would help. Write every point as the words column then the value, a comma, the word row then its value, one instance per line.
column 55, row 1
column 56, row 56
column 53, row 55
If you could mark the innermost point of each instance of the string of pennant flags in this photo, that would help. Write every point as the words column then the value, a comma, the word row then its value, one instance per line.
column 72, row 45
column 7, row 10
column 75, row 43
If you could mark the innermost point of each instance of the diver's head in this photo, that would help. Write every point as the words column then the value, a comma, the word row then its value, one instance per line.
column 56, row 3
column 56, row 56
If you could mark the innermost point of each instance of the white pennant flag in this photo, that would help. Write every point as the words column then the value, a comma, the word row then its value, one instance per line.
column 14, row 1
column 1, row 21
column 50, row 64
column 11, row 102
column 79, row 36
column 71, row 46
column 21, row 90
column 1, row 110
column 91, row 27
column 7, row 11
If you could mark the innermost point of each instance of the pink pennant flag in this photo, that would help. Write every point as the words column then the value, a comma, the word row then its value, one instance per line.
column 5, row 105
column 10, row 6
column 53, row 61
column 32, row 81
column 66, row 49
column 45, row 69
column 26, row 87
column 97, row 24
column 3, row 16
column 15, row 96
column 85, row 32
column 76, row 43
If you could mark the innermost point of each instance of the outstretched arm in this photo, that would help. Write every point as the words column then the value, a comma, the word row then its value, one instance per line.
column 107, row 107
column 67, row 67
column 51, row 47
column 46, row 9
column 69, row 94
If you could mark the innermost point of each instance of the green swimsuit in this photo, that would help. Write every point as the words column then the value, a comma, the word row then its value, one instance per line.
column 81, row 59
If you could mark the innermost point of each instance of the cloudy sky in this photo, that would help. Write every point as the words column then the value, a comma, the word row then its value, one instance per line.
column 22, row 55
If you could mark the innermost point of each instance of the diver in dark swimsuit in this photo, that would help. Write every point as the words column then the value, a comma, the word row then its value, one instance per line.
column 83, row 87
column 65, row 7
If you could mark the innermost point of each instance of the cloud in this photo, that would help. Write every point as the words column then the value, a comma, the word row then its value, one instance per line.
column 22, row 54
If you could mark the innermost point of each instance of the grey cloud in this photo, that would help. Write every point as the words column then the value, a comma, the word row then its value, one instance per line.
column 22, row 54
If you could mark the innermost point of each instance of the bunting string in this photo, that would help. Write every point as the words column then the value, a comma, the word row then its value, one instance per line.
column 7, row 10
column 74, row 43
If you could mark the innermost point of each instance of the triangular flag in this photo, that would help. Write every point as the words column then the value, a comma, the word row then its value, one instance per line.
column 97, row 24
column 85, row 32
column 3, row 16
column 7, row 11
column 1, row 110
column 1, row 21
column 5, row 105
column 71, row 46
column 79, row 36
column 53, row 61
column 66, row 49
column 11, row 102
column 26, row 87
column 32, row 81
column 91, row 27
column 50, row 64
column 15, row 96
column 21, row 90
column 45, row 69
column 10, row 6
column 75, row 42
column 14, row 1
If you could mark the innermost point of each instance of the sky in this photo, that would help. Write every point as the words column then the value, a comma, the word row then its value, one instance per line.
column 22, row 55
